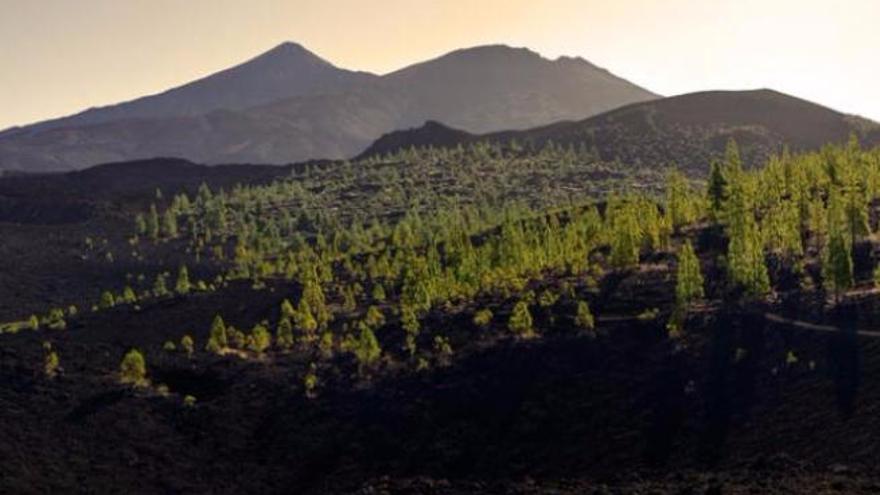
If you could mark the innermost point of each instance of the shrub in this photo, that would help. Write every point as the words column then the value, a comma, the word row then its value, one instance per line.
column 483, row 318
column 649, row 314
column 188, row 345
column 55, row 320
column 51, row 362
column 310, row 381
column 443, row 349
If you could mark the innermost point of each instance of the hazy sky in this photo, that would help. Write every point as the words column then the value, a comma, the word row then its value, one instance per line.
column 60, row 56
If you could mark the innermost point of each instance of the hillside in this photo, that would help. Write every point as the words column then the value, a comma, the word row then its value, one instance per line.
column 688, row 130
column 289, row 105
column 408, row 366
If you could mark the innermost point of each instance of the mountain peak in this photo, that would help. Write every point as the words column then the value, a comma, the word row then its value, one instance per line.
column 290, row 52
column 492, row 51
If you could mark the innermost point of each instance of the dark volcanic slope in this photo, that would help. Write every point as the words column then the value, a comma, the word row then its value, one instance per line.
column 688, row 130
column 289, row 105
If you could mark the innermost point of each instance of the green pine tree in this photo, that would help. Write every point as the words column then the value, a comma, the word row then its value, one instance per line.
column 133, row 369
column 584, row 318
column 284, row 334
column 689, row 278
column 217, row 340
column 520, row 322
column 182, row 286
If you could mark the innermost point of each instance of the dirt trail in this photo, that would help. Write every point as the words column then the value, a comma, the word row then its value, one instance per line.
column 815, row 326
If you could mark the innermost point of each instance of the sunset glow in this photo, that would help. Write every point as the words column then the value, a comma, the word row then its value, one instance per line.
column 61, row 56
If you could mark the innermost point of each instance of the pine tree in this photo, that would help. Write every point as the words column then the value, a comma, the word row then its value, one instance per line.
column 745, row 252
column 284, row 334
column 838, row 265
column 837, row 268
column 260, row 339
column 349, row 300
column 128, row 295
column 626, row 235
column 287, row 310
column 217, row 340
column 855, row 209
column 182, row 286
column 305, row 321
column 153, row 223
column 140, row 224
column 689, row 279
column 378, row 293
column 409, row 320
column 584, row 318
column 188, row 345
column 314, row 297
column 133, row 369
column 679, row 210
column 520, row 322
column 716, row 188
column 374, row 317
column 51, row 361
column 169, row 223
column 367, row 350
column 483, row 318
column 160, row 288
column 107, row 300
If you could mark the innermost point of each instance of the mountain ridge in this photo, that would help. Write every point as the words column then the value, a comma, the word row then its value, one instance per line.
column 689, row 129
column 281, row 59
column 330, row 113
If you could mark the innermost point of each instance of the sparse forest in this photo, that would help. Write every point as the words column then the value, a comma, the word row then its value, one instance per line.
column 411, row 264
column 370, row 256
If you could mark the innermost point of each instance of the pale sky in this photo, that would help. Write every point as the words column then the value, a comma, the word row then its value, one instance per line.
column 61, row 56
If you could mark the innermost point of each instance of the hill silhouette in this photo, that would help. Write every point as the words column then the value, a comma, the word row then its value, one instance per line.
column 688, row 130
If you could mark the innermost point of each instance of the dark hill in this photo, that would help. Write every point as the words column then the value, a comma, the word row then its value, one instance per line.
column 689, row 130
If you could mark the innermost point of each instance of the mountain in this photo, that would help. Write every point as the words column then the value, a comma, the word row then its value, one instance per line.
column 497, row 87
column 285, row 71
column 688, row 130
column 289, row 105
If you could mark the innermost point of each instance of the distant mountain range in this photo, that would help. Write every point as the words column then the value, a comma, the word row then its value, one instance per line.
column 688, row 130
column 288, row 105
